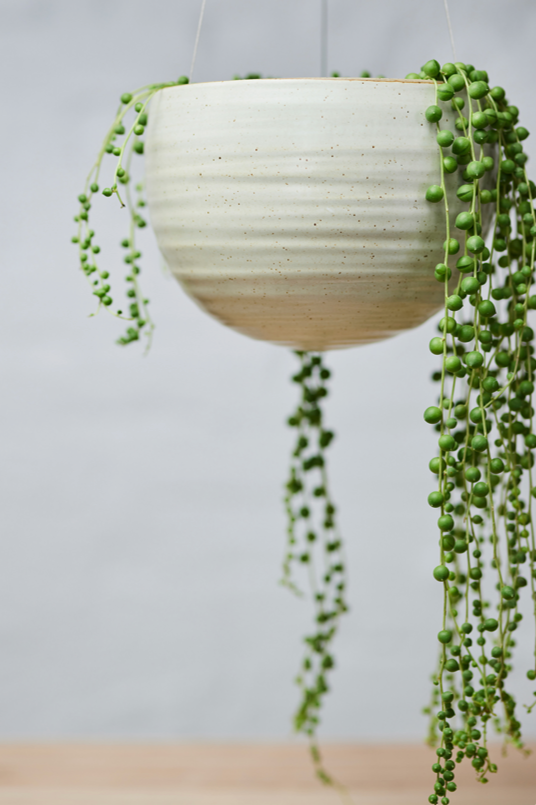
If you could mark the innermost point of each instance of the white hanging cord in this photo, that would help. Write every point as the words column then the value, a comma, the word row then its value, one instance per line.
column 450, row 29
column 324, row 38
column 197, row 39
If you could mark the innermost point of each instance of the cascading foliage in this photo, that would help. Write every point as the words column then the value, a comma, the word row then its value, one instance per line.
column 484, row 417
column 122, row 143
column 314, row 542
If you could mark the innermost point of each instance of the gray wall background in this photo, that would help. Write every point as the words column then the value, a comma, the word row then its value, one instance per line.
column 142, row 529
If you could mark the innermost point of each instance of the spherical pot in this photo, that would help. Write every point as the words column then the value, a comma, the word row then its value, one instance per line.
column 294, row 211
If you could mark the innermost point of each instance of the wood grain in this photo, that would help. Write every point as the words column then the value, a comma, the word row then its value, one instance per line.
column 232, row 774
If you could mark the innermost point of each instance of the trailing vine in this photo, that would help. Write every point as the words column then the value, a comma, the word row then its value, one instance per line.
column 485, row 459
column 122, row 143
column 313, row 542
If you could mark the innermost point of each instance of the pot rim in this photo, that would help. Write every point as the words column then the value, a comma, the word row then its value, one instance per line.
column 305, row 78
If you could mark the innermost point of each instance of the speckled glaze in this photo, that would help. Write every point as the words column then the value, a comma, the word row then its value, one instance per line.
column 293, row 210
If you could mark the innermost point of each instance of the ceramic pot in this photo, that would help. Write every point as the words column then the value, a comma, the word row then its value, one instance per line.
column 293, row 210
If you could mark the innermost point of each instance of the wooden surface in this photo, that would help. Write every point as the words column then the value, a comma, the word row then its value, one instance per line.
column 231, row 774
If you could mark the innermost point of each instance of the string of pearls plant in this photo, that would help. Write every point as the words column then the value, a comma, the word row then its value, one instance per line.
column 133, row 106
column 314, row 542
column 484, row 418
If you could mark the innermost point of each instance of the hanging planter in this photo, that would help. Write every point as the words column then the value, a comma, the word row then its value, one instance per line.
column 294, row 210
column 324, row 213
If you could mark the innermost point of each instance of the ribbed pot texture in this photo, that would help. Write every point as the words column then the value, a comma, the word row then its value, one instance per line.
column 293, row 210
